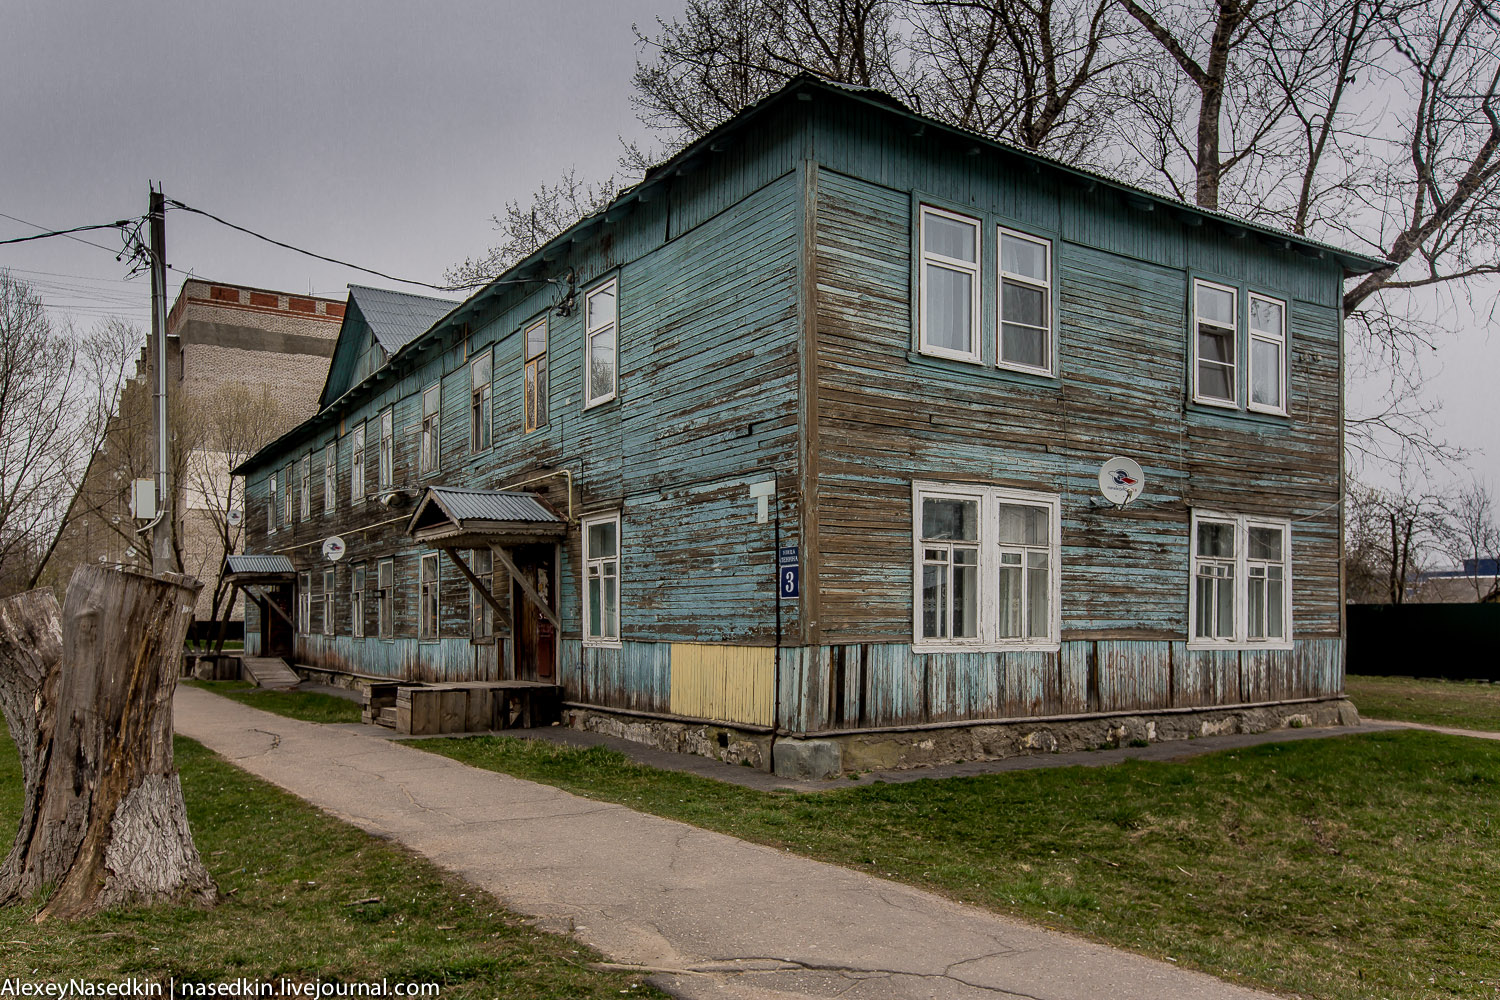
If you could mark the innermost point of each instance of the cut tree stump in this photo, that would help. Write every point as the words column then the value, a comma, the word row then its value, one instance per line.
column 87, row 693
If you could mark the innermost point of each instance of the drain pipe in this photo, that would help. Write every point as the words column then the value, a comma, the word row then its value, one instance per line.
column 776, row 596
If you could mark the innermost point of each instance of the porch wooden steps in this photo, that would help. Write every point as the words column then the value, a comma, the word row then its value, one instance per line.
column 269, row 672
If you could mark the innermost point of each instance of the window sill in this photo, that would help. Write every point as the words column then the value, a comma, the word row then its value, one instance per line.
column 603, row 644
column 601, row 401
column 985, row 372
column 988, row 647
column 487, row 640
column 1226, row 416
column 1200, row 645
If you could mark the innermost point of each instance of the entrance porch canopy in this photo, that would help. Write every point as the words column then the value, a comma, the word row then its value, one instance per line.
column 466, row 519
column 244, row 570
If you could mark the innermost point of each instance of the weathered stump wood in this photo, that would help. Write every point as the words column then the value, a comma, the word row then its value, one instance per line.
column 87, row 693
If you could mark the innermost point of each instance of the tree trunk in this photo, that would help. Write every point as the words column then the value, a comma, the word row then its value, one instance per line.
column 88, row 697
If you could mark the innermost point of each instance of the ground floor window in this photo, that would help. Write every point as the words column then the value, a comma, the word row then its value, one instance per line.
column 328, row 585
column 427, row 598
column 385, row 573
column 601, row 570
column 985, row 567
column 1241, row 589
column 357, row 602
column 304, row 603
column 483, row 614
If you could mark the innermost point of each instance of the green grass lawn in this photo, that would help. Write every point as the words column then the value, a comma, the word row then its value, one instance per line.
column 309, row 706
column 292, row 881
column 1462, row 704
column 1342, row 867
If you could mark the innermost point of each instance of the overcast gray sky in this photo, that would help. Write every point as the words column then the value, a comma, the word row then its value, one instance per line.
column 378, row 132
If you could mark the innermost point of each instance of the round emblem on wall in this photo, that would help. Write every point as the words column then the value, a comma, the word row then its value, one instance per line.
column 334, row 548
column 1121, row 480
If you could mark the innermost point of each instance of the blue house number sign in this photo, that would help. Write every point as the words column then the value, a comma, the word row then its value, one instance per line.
column 788, row 572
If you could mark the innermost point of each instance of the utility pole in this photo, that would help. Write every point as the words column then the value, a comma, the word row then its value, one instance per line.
column 163, row 559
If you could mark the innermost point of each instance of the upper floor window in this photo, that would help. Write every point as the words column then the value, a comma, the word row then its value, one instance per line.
column 432, row 417
column 330, row 477
column 949, row 284
column 481, row 393
column 427, row 598
column 271, row 504
column 986, row 567
column 601, row 570
column 304, row 486
column 1241, row 580
column 602, row 344
column 1025, row 340
column 387, row 448
column 1215, row 310
column 534, row 386
column 1267, row 354
column 357, row 464
column 287, row 498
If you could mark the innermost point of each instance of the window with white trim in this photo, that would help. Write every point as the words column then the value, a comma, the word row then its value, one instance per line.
column 304, row 486
column 328, row 588
column 601, row 571
column 427, row 598
column 431, row 428
column 357, row 602
column 387, row 448
column 271, row 504
column 385, row 580
column 1267, row 354
column 1216, row 344
column 304, row 603
column 948, row 284
column 985, row 567
column 602, row 343
column 483, row 615
column 534, row 386
column 357, row 464
column 1025, row 340
column 1241, row 581
column 481, row 394
column 287, row 498
column 330, row 478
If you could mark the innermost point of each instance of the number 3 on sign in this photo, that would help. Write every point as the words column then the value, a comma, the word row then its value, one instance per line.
column 789, row 575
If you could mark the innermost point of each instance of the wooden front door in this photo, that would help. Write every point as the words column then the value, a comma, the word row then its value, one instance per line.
column 276, row 631
column 535, row 638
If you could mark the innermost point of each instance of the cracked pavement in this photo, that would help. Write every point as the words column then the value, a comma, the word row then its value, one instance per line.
column 712, row 917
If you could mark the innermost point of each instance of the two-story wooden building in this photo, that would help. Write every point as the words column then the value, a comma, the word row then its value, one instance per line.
column 799, row 440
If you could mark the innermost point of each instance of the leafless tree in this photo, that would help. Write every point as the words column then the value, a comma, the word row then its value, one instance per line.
column 1390, row 534
column 57, row 389
column 1470, row 532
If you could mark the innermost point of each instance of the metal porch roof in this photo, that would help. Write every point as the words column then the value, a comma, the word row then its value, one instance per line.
column 458, row 515
column 258, row 564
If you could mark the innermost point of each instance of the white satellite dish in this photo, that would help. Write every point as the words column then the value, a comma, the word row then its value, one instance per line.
column 334, row 548
column 1121, row 480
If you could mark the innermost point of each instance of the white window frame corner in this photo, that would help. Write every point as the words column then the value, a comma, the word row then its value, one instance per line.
column 1051, row 369
column 1238, row 345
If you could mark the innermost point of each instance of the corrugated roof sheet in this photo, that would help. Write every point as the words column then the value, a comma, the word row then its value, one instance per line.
column 259, row 564
column 491, row 505
column 398, row 318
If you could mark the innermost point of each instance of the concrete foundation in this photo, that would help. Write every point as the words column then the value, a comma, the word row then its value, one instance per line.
column 829, row 755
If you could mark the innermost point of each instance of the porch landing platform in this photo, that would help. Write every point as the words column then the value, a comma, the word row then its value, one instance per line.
column 269, row 672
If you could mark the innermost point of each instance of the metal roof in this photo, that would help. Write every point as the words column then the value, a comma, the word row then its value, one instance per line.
column 398, row 318
column 258, row 564
column 490, row 505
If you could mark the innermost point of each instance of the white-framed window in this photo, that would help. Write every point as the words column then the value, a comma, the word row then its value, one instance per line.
column 1241, row 588
column 1216, row 344
column 481, row 396
column 357, row 601
column 985, row 567
column 534, row 385
column 431, row 428
column 287, row 498
column 601, row 572
column 357, row 464
column 948, row 284
column 304, row 603
column 271, row 504
column 304, row 487
column 330, row 477
column 385, row 589
column 602, row 343
column 387, row 459
column 1025, row 283
column 483, row 616
column 328, row 591
column 427, row 598
column 1268, row 381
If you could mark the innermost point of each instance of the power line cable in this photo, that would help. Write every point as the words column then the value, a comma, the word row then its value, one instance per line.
column 121, row 225
column 75, row 239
